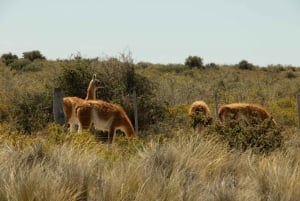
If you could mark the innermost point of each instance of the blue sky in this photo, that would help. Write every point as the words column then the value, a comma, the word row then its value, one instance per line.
column 159, row 31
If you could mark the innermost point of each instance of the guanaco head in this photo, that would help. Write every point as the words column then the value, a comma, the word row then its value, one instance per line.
column 92, row 88
column 95, row 82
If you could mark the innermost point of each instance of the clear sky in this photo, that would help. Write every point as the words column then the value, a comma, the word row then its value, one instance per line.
column 158, row 31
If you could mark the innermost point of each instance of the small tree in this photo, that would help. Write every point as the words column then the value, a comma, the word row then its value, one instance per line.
column 211, row 65
column 245, row 65
column 75, row 78
column 8, row 58
column 33, row 55
column 194, row 62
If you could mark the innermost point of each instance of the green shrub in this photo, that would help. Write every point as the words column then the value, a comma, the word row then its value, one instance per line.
column 262, row 137
column 194, row 62
column 177, row 68
column 74, row 78
column 290, row 75
column 19, row 64
column 32, row 67
column 211, row 65
column 245, row 65
column 8, row 58
column 33, row 55
column 275, row 68
column 285, row 111
column 200, row 119
column 31, row 112
column 120, row 80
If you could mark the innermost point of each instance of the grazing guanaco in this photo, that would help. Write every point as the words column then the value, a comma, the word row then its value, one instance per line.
column 69, row 103
column 243, row 113
column 104, row 116
column 200, row 115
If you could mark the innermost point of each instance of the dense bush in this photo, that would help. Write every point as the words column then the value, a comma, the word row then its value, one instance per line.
column 75, row 77
column 31, row 112
column 194, row 62
column 8, row 58
column 262, row 137
column 245, row 65
column 120, row 80
column 211, row 65
column 33, row 55
column 290, row 75
column 20, row 64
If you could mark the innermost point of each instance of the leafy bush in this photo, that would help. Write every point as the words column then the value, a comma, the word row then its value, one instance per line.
column 263, row 137
column 31, row 112
column 74, row 78
column 19, row 64
column 211, row 65
column 285, row 111
column 200, row 119
column 33, row 55
column 275, row 68
column 245, row 65
column 177, row 68
column 120, row 80
column 32, row 67
column 8, row 58
column 194, row 62
column 290, row 75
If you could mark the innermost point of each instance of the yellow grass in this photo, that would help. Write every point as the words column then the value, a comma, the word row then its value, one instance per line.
column 185, row 167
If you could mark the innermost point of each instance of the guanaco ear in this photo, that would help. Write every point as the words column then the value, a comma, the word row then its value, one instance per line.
column 94, row 76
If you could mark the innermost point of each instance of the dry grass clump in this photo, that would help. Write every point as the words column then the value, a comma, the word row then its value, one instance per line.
column 186, row 167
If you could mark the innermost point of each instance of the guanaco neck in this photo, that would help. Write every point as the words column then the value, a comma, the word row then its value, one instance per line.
column 91, row 92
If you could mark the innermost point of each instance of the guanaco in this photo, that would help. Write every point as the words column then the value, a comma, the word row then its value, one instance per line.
column 69, row 103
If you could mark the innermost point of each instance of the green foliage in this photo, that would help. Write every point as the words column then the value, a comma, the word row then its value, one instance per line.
column 20, row 64
column 32, row 67
column 33, row 55
column 120, row 80
column 200, row 119
column 75, row 77
column 285, row 111
column 31, row 111
column 263, row 137
column 275, row 68
column 245, row 65
column 167, row 163
column 194, row 62
column 211, row 65
column 177, row 68
column 290, row 75
column 8, row 58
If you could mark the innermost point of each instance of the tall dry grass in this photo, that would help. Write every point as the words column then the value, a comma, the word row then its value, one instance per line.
column 185, row 167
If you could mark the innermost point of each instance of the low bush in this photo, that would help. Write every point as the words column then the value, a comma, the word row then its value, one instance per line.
column 20, row 64
column 33, row 67
column 31, row 112
column 245, row 65
column 74, row 78
column 262, row 137
column 8, row 58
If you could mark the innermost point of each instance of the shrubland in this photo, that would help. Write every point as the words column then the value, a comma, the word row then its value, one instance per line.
column 168, row 161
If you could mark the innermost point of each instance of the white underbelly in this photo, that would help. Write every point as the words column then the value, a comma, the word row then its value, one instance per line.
column 73, row 119
column 99, row 122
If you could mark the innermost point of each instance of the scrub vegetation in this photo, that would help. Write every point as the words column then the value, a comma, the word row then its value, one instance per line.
column 169, row 161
